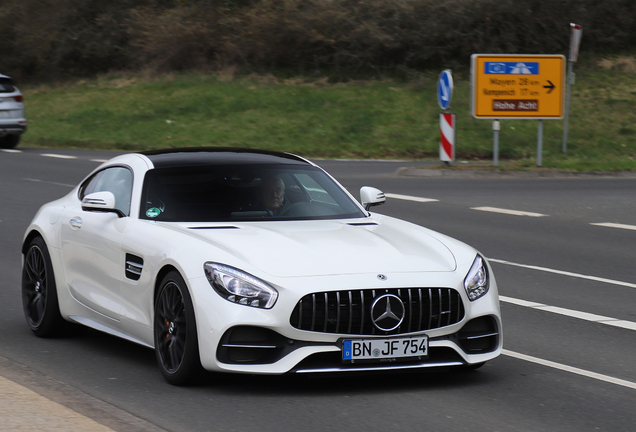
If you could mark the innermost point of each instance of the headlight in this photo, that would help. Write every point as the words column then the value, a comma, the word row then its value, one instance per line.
column 239, row 287
column 477, row 281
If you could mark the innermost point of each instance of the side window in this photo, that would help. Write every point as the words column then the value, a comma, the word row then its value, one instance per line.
column 88, row 185
column 117, row 180
column 316, row 192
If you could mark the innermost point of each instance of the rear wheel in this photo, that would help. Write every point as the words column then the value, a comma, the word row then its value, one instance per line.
column 39, row 293
column 176, row 344
column 9, row 141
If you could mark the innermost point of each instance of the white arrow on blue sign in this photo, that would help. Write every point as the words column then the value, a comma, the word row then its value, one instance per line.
column 445, row 89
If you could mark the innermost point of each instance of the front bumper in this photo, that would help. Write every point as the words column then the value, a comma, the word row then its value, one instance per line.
column 237, row 338
column 479, row 340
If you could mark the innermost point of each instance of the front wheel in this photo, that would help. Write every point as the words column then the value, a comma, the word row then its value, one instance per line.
column 39, row 293
column 176, row 345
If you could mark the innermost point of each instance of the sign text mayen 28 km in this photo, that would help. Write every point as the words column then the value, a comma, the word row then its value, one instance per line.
column 517, row 86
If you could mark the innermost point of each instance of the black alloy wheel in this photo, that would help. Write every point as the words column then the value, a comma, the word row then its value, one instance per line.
column 39, row 294
column 176, row 344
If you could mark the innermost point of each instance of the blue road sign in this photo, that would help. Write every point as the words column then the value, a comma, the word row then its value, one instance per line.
column 511, row 68
column 445, row 89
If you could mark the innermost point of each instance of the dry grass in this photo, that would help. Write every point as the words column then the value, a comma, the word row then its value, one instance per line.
column 622, row 64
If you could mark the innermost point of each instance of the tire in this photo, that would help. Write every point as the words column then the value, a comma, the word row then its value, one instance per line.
column 176, row 344
column 39, row 293
column 9, row 141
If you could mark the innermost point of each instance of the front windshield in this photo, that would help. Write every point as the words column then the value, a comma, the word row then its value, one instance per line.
column 243, row 193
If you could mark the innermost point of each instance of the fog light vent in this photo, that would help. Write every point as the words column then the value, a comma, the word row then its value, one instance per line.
column 479, row 335
column 251, row 345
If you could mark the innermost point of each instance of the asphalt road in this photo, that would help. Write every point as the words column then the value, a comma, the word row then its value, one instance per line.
column 568, row 288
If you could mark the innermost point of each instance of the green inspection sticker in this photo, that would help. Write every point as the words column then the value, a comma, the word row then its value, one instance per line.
column 153, row 212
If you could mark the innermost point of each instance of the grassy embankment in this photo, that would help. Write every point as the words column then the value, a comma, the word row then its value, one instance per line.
column 370, row 119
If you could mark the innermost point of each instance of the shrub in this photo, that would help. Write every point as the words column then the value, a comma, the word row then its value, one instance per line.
column 84, row 37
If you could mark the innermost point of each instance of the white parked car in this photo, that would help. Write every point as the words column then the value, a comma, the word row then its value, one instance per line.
column 13, row 121
column 237, row 260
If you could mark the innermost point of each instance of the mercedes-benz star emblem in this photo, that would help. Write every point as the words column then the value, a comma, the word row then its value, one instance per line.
column 387, row 312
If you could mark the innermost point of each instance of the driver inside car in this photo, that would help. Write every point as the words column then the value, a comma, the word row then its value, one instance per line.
column 271, row 195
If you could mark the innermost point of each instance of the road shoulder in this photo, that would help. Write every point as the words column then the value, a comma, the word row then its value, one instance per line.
column 30, row 400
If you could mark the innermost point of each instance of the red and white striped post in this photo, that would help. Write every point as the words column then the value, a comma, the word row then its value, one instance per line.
column 447, row 137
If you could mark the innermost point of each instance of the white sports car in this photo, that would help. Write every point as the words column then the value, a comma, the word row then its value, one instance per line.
column 257, row 262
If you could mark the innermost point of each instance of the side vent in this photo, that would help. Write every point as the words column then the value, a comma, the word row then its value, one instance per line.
column 134, row 265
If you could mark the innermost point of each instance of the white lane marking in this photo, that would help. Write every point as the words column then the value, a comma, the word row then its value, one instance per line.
column 58, row 156
column 365, row 160
column 51, row 155
column 574, row 370
column 629, row 325
column 508, row 212
column 615, row 225
column 586, row 316
column 564, row 273
column 409, row 198
column 48, row 182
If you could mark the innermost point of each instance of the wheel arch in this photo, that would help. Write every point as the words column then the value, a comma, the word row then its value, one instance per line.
column 29, row 238
column 163, row 271
column 160, row 275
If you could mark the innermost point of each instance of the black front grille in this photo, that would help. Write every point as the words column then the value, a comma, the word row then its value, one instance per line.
column 349, row 312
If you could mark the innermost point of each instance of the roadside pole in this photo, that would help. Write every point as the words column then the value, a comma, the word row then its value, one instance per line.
column 575, row 42
column 567, row 108
column 495, row 146
column 540, row 144
column 447, row 121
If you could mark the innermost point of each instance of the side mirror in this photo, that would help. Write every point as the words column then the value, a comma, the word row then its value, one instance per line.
column 101, row 202
column 370, row 196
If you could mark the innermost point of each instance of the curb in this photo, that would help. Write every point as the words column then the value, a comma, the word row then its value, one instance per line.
column 35, row 401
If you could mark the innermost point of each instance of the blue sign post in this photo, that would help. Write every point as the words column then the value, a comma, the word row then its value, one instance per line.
column 447, row 120
column 445, row 89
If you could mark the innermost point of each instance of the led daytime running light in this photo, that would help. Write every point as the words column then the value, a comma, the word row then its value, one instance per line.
column 240, row 287
column 477, row 282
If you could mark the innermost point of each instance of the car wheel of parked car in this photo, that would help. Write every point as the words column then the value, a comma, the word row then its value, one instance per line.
column 9, row 141
column 175, row 331
column 39, row 293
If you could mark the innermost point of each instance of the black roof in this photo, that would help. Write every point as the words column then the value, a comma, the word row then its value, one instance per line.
column 192, row 156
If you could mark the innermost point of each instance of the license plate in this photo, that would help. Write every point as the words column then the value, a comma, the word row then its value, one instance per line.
column 8, row 114
column 384, row 349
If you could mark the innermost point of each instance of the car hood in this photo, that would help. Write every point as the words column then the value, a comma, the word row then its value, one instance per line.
column 332, row 247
